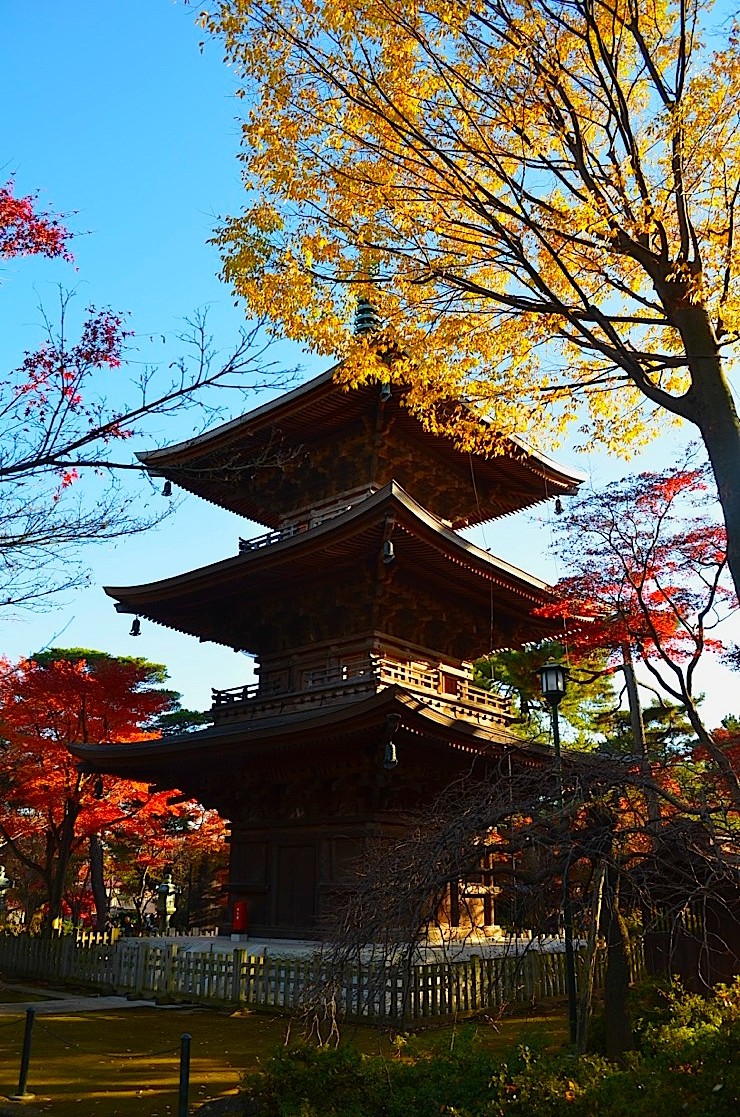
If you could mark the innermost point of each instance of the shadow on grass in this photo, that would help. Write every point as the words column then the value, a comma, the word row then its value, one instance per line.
column 126, row 1064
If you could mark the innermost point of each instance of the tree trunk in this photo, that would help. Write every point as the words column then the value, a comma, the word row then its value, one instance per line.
column 59, row 854
column 721, row 435
column 619, row 1038
column 589, row 967
column 710, row 405
column 97, row 882
column 140, row 898
column 638, row 736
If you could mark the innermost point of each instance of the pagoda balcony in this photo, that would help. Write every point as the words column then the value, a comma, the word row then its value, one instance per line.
column 304, row 522
column 446, row 690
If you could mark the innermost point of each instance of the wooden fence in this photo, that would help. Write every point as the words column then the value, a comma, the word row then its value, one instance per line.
column 377, row 991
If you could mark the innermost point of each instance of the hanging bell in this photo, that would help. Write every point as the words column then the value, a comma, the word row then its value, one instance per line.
column 390, row 760
column 135, row 627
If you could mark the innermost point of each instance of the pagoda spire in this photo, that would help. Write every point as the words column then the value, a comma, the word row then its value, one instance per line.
column 367, row 319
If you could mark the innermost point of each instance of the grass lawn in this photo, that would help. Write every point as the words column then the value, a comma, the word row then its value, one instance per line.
column 125, row 1064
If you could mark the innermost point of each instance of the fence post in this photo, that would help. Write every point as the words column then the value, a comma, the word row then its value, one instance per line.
column 142, row 952
column 182, row 1102
column 21, row 1095
column 117, row 965
column 475, row 1003
column 169, row 969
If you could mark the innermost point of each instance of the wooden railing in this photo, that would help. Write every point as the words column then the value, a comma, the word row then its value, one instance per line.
column 230, row 695
column 443, row 689
column 257, row 542
column 270, row 537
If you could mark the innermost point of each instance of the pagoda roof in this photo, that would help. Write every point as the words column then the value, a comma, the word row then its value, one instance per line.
column 282, row 740
column 204, row 602
column 516, row 477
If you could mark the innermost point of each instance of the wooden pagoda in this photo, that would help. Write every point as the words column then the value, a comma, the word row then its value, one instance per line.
column 363, row 608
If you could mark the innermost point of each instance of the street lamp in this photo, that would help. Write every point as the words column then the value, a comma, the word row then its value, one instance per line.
column 553, row 680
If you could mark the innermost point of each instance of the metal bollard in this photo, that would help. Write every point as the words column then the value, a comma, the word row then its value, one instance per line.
column 25, row 1057
column 182, row 1102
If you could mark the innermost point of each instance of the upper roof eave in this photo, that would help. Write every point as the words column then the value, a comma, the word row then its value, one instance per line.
column 567, row 477
column 255, row 418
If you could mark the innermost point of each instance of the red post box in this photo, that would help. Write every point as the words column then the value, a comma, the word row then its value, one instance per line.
column 239, row 917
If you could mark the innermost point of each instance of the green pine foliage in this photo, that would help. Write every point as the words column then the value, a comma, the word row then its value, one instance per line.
column 587, row 706
column 668, row 732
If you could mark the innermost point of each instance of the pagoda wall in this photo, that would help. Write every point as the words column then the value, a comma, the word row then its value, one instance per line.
column 415, row 605
column 336, row 604
column 365, row 455
column 316, row 473
column 301, row 831
column 292, row 876
column 410, row 605
column 443, row 484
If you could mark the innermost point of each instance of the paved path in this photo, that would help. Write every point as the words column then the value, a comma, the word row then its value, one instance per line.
column 60, row 1004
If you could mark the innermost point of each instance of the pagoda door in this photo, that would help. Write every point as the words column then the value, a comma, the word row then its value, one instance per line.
column 296, row 892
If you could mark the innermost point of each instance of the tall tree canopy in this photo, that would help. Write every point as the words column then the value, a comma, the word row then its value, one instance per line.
column 646, row 562
column 51, row 810
column 539, row 197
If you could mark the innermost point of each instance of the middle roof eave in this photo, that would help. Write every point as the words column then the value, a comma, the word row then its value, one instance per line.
column 184, row 601
column 166, row 759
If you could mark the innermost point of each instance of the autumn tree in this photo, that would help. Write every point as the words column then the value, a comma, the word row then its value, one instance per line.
column 27, row 231
column 186, row 840
column 539, row 198
column 646, row 561
column 53, row 815
column 69, row 412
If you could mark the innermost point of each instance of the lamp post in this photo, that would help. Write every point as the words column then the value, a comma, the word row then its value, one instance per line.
column 553, row 680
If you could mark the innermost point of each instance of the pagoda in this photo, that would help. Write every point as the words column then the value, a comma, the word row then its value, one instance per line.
column 363, row 608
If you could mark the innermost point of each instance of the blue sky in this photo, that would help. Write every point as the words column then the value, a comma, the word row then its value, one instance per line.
column 117, row 118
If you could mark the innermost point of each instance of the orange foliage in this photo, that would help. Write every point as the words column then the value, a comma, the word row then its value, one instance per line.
column 50, row 809
column 647, row 568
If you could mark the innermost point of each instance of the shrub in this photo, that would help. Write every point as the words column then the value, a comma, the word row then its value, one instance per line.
column 685, row 1063
column 327, row 1082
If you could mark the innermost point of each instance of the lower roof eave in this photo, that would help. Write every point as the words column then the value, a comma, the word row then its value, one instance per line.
column 163, row 758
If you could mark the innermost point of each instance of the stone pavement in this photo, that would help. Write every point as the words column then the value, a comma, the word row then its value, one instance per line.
column 56, row 1003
